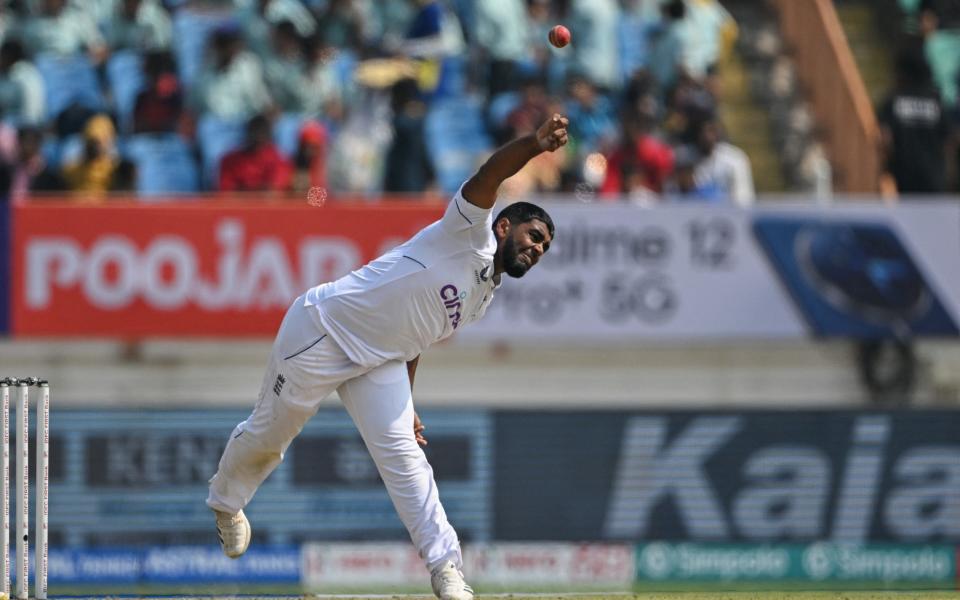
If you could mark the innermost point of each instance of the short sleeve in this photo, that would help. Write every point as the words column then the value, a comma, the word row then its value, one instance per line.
column 465, row 219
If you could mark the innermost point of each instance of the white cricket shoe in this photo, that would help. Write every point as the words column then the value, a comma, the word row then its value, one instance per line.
column 448, row 583
column 234, row 533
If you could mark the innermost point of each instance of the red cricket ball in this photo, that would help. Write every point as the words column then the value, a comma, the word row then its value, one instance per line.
column 559, row 36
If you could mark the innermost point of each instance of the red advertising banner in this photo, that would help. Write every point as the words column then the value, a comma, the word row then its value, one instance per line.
column 205, row 269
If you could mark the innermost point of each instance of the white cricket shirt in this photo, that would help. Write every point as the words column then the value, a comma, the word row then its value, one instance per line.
column 420, row 292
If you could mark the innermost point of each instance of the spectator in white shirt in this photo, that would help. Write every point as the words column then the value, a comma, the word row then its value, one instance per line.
column 324, row 95
column 138, row 25
column 284, row 68
column 594, row 47
column 232, row 86
column 709, row 31
column 502, row 30
column 258, row 17
column 721, row 165
column 62, row 29
column 21, row 87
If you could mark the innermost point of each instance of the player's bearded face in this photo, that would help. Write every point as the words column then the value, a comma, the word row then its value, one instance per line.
column 512, row 264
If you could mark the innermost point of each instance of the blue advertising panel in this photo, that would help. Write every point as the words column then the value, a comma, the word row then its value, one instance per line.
column 747, row 476
column 853, row 278
column 174, row 564
column 139, row 478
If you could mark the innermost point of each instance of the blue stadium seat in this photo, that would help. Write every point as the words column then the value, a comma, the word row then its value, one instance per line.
column 501, row 106
column 453, row 78
column 71, row 149
column 466, row 13
column 59, row 151
column 457, row 139
column 165, row 164
column 344, row 65
column 216, row 137
column 191, row 30
column 286, row 133
column 126, row 78
column 67, row 80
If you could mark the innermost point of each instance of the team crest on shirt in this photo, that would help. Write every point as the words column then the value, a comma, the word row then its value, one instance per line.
column 482, row 275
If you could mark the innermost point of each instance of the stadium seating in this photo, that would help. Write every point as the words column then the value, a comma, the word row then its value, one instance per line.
column 453, row 78
column 191, row 30
column 70, row 149
column 165, row 165
column 216, row 138
column 286, row 132
column 345, row 65
column 456, row 138
column 68, row 80
column 126, row 79
column 500, row 108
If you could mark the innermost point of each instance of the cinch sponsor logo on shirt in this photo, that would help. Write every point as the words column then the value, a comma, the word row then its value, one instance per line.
column 452, row 300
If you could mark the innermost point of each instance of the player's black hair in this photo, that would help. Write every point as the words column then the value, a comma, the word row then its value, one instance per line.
column 522, row 212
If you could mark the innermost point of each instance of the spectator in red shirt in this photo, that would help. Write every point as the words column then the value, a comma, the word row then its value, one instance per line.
column 310, row 160
column 159, row 107
column 640, row 165
column 533, row 109
column 258, row 166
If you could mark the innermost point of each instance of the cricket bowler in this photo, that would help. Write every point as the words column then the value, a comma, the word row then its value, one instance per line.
column 362, row 336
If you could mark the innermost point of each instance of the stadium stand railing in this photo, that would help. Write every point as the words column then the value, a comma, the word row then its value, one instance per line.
column 837, row 93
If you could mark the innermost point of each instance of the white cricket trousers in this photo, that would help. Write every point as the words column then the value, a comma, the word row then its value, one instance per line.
column 305, row 367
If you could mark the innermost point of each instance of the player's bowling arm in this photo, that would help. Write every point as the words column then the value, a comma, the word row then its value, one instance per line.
column 481, row 189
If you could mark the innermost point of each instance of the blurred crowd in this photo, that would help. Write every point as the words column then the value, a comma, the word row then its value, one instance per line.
column 920, row 115
column 362, row 97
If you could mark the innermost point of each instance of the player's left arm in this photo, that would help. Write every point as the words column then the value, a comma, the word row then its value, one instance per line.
column 481, row 189
column 417, row 425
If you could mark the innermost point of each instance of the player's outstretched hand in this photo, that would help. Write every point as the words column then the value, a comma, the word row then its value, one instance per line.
column 553, row 133
column 418, row 430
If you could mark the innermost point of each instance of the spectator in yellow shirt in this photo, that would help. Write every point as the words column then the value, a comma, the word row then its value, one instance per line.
column 92, row 175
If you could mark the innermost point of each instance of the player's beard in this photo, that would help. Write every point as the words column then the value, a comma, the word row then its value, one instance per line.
column 512, row 265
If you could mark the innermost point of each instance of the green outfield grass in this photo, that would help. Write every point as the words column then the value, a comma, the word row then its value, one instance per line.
column 776, row 595
column 860, row 595
column 753, row 595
